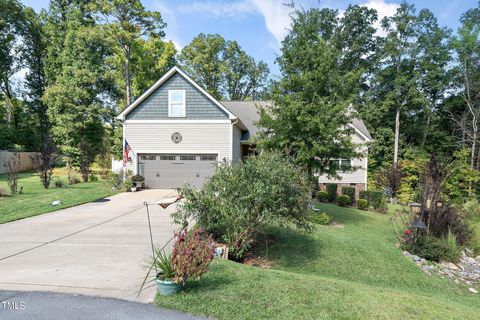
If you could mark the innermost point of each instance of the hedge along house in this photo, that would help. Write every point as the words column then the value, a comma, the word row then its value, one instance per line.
column 177, row 133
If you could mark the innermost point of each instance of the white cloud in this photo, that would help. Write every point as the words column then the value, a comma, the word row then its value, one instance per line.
column 383, row 10
column 233, row 9
column 276, row 16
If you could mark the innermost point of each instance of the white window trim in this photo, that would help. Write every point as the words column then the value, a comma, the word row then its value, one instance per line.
column 170, row 92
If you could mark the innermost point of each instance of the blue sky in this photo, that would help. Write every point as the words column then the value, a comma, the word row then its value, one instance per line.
column 260, row 25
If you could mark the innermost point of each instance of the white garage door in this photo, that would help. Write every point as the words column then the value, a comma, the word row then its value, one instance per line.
column 165, row 171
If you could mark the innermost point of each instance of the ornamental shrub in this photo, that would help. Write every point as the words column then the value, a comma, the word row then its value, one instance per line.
column 362, row 204
column 320, row 218
column 343, row 200
column 349, row 191
column 240, row 198
column 137, row 178
column 374, row 198
column 322, row 196
column 436, row 249
column 332, row 191
column 192, row 253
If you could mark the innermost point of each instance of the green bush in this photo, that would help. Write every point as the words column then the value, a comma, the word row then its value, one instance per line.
column 240, row 198
column 374, row 198
column 322, row 196
column 320, row 218
column 349, row 191
column 436, row 249
column 93, row 178
column 59, row 183
column 362, row 204
column 332, row 191
column 115, row 180
column 343, row 200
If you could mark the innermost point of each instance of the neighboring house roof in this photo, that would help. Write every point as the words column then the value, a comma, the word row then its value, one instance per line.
column 157, row 84
column 247, row 112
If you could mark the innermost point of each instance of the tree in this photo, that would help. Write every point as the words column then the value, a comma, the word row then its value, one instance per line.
column 127, row 22
column 74, row 100
column 310, row 116
column 433, row 58
column 45, row 161
column 223, row 68
column 398, row 54
column 467, row 48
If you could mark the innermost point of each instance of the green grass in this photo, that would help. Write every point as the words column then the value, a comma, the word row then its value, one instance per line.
column 349, row 272
column 36, row 200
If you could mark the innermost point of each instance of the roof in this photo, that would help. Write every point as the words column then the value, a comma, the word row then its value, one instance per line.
column 247, row 112
column 157, row 84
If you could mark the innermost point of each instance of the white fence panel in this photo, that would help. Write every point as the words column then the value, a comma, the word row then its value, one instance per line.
column 117, row 165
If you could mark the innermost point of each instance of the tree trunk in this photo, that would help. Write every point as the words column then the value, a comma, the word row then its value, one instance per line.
column 128, row 88
column 397, row 138
column 424, row 138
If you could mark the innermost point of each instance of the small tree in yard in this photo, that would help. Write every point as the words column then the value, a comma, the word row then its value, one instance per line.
column 13, row 168
column 44, row 162
column 391, row 177
column 240, row 198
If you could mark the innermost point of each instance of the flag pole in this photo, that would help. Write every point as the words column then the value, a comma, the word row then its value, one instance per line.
column 124, row 163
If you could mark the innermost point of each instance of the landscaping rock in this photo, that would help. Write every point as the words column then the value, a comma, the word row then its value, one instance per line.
column 466, row 271
column 472, row 290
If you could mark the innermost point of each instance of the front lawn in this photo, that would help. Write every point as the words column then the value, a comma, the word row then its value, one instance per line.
column 350, row 271
column 36, row 200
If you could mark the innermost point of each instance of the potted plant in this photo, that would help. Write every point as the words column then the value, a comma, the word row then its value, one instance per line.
column 165, row 278
column 192, row 252
column 137, row 181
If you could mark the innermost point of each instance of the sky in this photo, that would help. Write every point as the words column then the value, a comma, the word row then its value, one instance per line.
column 260, row 25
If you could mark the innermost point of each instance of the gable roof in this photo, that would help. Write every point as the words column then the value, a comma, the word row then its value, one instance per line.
column 157, row 84
column 247, row 112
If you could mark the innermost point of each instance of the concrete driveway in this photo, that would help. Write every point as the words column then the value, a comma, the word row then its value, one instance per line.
column 98, row 249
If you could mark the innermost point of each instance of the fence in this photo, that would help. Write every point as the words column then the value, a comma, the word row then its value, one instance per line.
column 25, row 160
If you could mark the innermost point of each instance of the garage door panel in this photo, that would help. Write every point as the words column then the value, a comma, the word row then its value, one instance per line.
column 172, row 171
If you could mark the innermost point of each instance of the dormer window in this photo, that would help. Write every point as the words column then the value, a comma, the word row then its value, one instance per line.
column 176, row 103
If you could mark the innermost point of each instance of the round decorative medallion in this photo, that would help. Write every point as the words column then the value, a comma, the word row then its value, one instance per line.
column 177, row 137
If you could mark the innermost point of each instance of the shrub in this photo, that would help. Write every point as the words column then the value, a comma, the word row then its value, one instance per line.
column 192, row 252
column 127, row 185
column 445, row 220
column 137, row 178
column 362, row 204
column 320, row 218
column 436, row 249
column 2, row 192
column 45, row 161
column 12, row 167
column 93, row 178
column 115, row 180
column 374, row 198
column 349, row 191
column 343, row 200
column 332, row 191
column 322, row 196
column 59, row 183
column 240, row 198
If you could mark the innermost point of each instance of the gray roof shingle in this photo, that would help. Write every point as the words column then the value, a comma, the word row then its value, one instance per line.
column 247, row 112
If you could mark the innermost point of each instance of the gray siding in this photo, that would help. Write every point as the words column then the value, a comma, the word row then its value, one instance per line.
column 357, row 176
column 198, row 106
column 236, row 151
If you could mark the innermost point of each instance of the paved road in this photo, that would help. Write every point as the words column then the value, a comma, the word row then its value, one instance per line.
column 48, row 306
column 96, row 249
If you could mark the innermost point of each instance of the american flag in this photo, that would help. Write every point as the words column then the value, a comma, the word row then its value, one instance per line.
column 126, row 150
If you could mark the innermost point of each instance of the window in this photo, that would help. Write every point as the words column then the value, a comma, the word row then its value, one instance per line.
column 187, row 158
column 208, row 157
column 176, row 103
column 148, row 157
column 341, row 164
column 169, row 157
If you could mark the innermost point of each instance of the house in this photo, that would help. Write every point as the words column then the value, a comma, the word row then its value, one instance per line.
column 177, row 132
